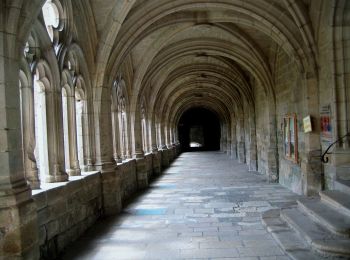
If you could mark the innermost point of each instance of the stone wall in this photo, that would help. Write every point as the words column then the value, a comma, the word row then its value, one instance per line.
column 66, row 210
column 289, row 89
column 334, row 67
column 149, row 166
column 128, row 179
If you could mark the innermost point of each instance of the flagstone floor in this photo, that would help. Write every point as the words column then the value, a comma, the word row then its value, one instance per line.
column 204, row 206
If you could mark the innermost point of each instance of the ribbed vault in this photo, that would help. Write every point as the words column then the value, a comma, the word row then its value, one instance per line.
column 205, row 52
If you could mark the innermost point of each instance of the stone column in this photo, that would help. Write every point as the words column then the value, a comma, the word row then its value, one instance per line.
column 116, row 134
column 156, row 160
column 272, row 151
column 103, row 131
column 136, row 132
column 89, row 135
column 104, row 162
column 81, row 137
column 311, row 165
column 241, row 141
column 228, row 140
column 253, row 162
column 28, row 135
column 55, row 140
column 154, row 137
column 169, row 144
column 74, row 169
column 151, row 143
column 164, row 149
column 18, row 217
column 233, row 138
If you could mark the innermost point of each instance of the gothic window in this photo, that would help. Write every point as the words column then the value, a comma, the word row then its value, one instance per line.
column 40, row 118
column 123, row 126
column 27, row 127
column 144, row 128
column 51, row 13
column 65, row 126
column 115, row 123
column 122, row 118
column 290, row 137
column 80, row 107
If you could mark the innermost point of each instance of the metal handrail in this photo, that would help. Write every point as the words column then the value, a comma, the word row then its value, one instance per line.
column 324, row 159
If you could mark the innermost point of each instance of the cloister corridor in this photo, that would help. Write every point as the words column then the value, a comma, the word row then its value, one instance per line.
column 204, row 206
column 174, row 129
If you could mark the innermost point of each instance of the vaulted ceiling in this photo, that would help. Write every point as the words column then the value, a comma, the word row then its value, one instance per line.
column 188, row 53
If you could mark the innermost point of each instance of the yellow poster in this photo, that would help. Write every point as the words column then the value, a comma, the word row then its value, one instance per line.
column 307, row 124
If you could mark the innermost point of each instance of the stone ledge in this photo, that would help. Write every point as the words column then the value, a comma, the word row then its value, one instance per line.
column 49, row 186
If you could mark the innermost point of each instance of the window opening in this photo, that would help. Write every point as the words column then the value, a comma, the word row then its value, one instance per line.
column 41, row 148
column 65, row 128
column 79, row 109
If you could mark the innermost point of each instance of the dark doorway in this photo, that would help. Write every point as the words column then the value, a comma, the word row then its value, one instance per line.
column 199, row 130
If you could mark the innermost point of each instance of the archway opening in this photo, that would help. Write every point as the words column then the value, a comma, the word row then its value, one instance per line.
column 199, row 130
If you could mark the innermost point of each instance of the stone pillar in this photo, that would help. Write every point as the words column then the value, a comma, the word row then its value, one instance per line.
column 241, row 142
column 253, row 162
column 164, row 149
column 150, row 142
column 55, row 140
column 89, row 134
column 156, row 160
column 170, row 145
column 74, row 168
column 228, row 140
column 28, row 135
column 311, row 165
column 18, row 218
column 233, row 138
column 272, row 151
column 111, row 181
column 153, row 137
column 138, row 154
column 116, row 134
column 136, row 134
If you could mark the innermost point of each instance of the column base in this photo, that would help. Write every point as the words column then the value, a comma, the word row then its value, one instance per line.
column 57, row 178
column 33, row 180
column 74, row 172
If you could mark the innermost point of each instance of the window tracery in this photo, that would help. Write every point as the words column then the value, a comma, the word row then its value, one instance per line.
column 122, row 115
column 52, row 14
column 144, row 127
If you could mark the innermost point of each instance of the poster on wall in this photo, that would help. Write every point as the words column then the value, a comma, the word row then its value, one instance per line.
column 326, row 125
column 307, row 124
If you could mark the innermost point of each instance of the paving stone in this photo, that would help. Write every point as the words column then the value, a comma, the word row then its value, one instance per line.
column 209, row 253
column 260, row 251
column 207, row 212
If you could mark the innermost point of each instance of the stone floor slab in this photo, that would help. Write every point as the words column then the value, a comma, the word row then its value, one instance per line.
column 204, row 206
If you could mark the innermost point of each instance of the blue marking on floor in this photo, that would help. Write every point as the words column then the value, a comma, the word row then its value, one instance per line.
column 142, row 212
column 165, row 186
